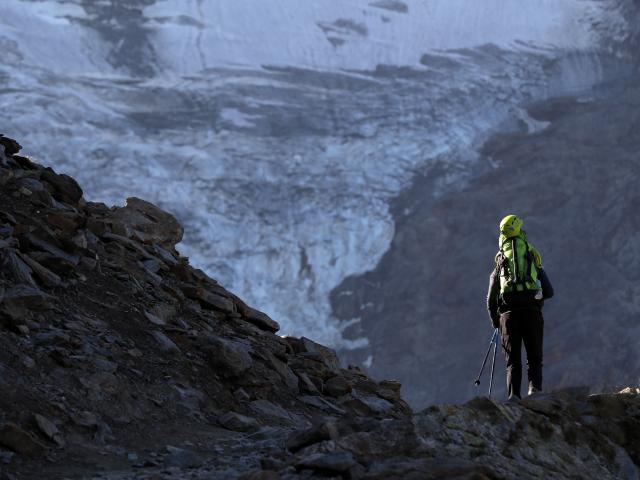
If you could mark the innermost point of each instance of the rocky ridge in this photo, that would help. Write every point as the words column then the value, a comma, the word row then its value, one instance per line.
column 119, row 360
column 112, row 341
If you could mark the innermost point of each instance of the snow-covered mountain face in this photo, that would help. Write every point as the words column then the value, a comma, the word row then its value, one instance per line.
column 279, row 131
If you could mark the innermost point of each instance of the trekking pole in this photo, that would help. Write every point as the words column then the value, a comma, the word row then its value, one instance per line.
column 493, row 363
column 484, row 362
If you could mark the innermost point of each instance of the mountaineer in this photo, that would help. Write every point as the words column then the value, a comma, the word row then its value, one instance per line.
column 518, row 287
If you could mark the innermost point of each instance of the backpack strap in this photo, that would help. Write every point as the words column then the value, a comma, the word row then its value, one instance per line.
column 529, row 257
column 501, row 264
column 518, row 279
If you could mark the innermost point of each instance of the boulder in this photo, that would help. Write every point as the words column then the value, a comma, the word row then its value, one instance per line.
column 208, row 299
column 165, row 343
column 287, row 375
column 322, row 403
column 85, row 419
column 100, row 384
column 182, row 458
column 306, row 385
column 98, row 226
column 36, row 242
column 554, row 403
column 54, row 336
column 227, row 357
column 6, row 457
column 166, row 256
column 46, row 276
column 260, row 475
column 148, row 223
column 303, row 438
column 273, row 411
column 262, row 321
column 256, row 317
column 18, row 270
column 9, row 242
column 59, row 265
column 311, row 364
column 367, row 404
column 155, row 319
column 65, row 188
column 389, row 390
column 337, row 386
column 337, row 462
column 47, row 427
column 33, row 189
column 8, row 218
column 11, row 147
column 28, row 297
column 66, row 222
column 19, row 440
column 328, row 355
column 236, row 422
column 127, row 242
column 241, row 395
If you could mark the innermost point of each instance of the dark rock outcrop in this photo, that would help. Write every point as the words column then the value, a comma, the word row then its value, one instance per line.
column 111, row 342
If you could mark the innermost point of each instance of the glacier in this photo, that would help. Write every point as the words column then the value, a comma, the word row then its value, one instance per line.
column 279, row 131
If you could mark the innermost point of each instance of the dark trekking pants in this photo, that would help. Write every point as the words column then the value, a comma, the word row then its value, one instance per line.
column 517, row 327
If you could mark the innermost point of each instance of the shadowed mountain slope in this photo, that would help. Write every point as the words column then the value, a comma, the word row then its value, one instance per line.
column 574, row 181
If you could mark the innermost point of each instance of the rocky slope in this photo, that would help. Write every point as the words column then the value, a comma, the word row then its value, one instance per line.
column 113, row 346
column 119, row 361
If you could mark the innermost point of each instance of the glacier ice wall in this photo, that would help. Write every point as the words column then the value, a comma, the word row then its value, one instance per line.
column 278, row 131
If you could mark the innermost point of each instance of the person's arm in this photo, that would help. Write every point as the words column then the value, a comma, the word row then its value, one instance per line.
column 547, row 288
column 492, row 299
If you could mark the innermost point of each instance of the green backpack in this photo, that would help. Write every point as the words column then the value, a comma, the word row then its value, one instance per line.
column 518, row 263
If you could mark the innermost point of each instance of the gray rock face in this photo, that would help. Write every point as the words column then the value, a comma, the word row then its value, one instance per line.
column 26, row 297
column 19, row 440
column 182, row 458
column 228, row 358
column 574, row 183
column 148, row 223
column 336, row 462
column 302, row 438
column 237, row 422
column 49, row 429
column 9, row 145
column 265, row 407
column 110, row 340
column 65, row 188
column 337, row 386
column 164, row 342
column 262, row 321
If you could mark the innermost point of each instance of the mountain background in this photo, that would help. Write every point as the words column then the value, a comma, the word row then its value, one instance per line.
column 342, row 165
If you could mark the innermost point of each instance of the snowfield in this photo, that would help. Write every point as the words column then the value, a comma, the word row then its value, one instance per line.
column 279, row 131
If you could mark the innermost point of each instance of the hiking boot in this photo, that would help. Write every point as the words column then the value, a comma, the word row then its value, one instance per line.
column 533, row 390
